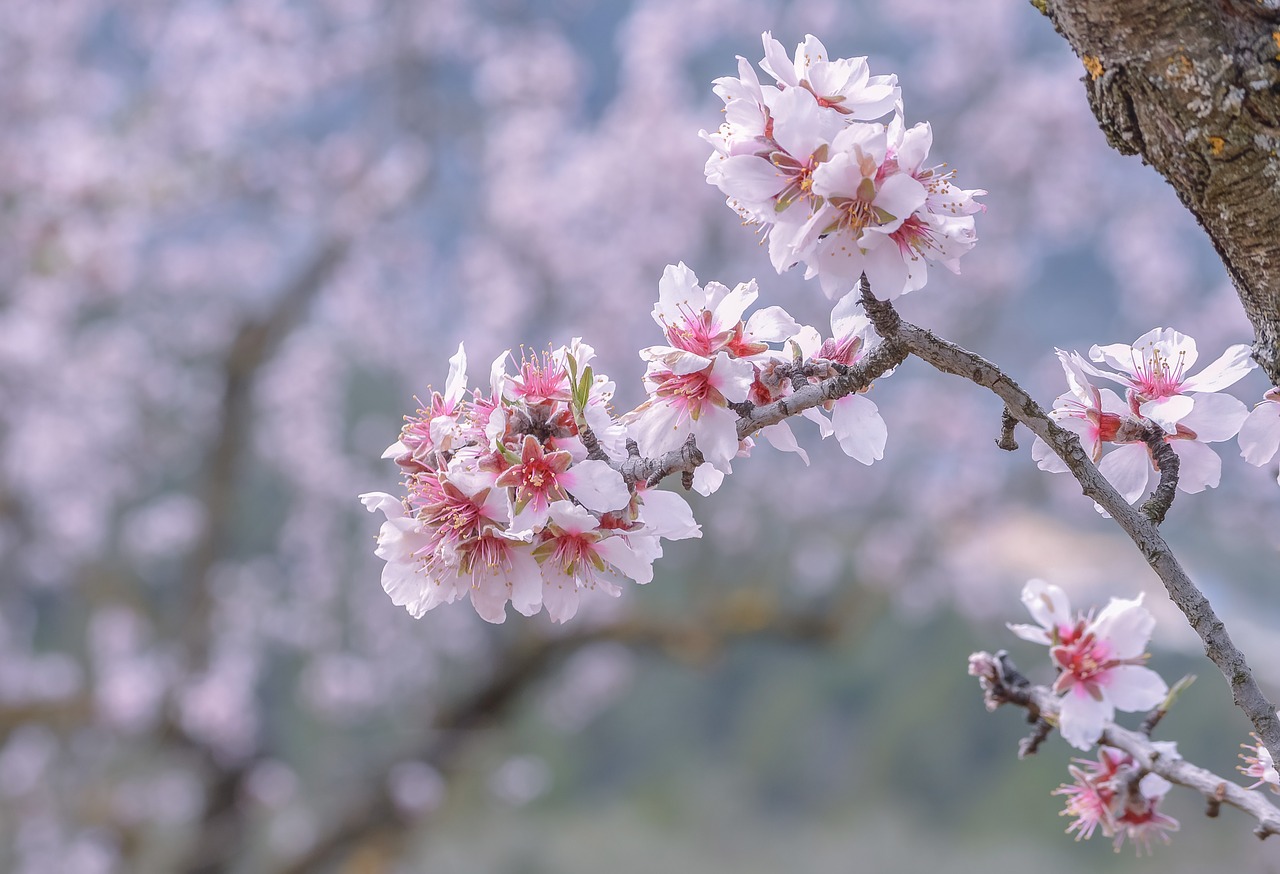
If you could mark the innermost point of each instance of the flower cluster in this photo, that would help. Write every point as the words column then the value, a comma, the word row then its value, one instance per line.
column 503, row 502
column 806, row 160
column 1100, row 659
column 1158, row 393
column 1114, row 795
column 1260, row 766
column 516, row 493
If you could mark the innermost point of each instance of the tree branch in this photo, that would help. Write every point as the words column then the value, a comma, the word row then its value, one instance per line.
column 1042, row 707
column 379, row 813
column 1218, row 646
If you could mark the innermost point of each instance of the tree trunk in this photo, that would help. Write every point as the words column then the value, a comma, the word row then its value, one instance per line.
column 1193, row 87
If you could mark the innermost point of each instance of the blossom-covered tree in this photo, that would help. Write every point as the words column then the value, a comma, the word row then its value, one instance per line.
column 239, row 234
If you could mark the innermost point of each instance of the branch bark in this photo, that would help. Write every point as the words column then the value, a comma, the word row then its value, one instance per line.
column 1193, row 88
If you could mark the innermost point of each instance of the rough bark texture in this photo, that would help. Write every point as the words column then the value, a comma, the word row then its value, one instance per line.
column 1193, row 87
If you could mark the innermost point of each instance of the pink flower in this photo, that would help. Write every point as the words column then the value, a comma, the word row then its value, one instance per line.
column 1109, row 795
column 577, row 554
column 1154, row 370
column 1100, row 659
column 844, row 85
column 1260, row 765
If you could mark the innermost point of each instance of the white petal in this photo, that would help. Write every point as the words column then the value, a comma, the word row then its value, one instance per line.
column 847, row 317
column 1047, row 604
column 1215, row 417
column 1200, row 467
column 525, row 578
column 391, row 506
column 621, row 554
column 706, row 479
column 666, row 514
column 1030, row 632
column 596, row 485
column 1127, row 468
column 1166, row 412
column 1083, row 717
column 717, row 434
column 1260, row 434
column 732, row 377
column 900, row 195
column 1227, row 370
column 1046, row 459
column 559, row 594
column 781, row 437
column 859, row 428
column 1127, row 625
column 1133, row 687
column 456, row 385
column 489, row 595
column 771, row 325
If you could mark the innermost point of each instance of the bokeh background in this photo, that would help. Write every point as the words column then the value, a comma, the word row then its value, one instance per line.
column 238, row 236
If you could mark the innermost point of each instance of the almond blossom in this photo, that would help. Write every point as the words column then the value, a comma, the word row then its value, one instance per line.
column 1100, row 659
column 1109, row 794
column 1099, row 417
column 1154, row 369
column 692, row 381
column 805, row 161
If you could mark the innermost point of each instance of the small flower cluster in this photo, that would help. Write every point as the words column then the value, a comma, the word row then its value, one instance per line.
column 806, row 160
column 1114, row 795
column 1260, row 766
column 503, row 503
column 1100, row 659
column 713, row 360
column 1158, row 393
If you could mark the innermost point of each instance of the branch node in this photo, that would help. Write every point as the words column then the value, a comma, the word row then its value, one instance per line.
column 1006, row 440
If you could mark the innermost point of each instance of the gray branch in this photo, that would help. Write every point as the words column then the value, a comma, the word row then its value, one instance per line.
column 1218, row 646
column 1042, row 706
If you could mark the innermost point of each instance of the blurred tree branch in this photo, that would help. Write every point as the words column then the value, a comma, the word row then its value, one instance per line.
column 372, row 816
column 1193, row 88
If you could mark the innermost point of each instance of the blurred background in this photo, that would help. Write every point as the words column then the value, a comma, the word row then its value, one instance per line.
column 238, row 236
